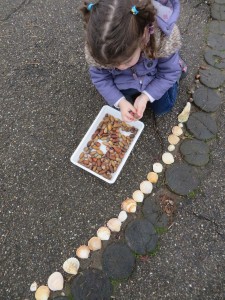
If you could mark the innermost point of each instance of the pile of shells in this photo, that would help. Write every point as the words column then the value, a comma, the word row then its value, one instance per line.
column 116, row 143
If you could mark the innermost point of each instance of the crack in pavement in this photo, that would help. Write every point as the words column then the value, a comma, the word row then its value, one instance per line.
column 15, row 10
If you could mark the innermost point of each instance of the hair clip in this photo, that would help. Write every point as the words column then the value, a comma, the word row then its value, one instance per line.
column 90, row 5
column 134, row 10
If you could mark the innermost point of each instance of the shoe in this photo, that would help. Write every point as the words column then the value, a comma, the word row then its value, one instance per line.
column 184, row 69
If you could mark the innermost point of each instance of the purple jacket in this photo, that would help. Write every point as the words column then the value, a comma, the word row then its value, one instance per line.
column 151, row 76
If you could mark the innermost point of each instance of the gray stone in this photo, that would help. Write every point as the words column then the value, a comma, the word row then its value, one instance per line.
column 217, row 27
column 207, row 99
column 211, row 77
column 153, row 213
column 216, row 41
column 118, row 261
column 218, row 11
column 61, row 298
column 215, row 58
column 141, row 236
column 182, row 178
column 195, row 152
column 220, row 1
column 91, row 284
column 202, row 126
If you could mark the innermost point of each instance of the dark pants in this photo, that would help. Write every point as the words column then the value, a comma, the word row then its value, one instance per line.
column 159, row 107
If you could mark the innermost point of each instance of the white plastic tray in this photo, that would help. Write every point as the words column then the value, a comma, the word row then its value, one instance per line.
column 115, row 113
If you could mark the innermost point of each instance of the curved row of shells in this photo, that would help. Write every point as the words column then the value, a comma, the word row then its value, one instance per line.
column 129, row 205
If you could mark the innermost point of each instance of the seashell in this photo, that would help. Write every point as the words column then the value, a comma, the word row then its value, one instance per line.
column 83, row 251
column 55, row 281
column 71, row 265
column 104, row 233
column 157, row 167
column 146, row 187
column 129, row 205
column 138, row 196
column 176, row 130
column 114, row 224
column 122, row 216
column 95, row 243
column 167, row 158
column 184, row 115
column 152, row 177
column 33, row 286
column 42, row 293
column 181, row 125
column 171, row 147
column 173, row 139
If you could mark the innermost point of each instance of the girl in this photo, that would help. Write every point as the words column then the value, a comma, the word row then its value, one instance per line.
column 132, row 49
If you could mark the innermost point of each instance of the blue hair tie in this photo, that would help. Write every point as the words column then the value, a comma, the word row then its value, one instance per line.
column 89, row 7
column 134, row 10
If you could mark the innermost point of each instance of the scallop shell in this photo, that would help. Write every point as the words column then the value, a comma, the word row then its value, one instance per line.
column 42, row 293
column 173, row 139
column 157, row 167
column 146, row 187
column 114, row 224
column 71, row 265
column 83, row 251
column 55, row 281
column 138, row 196
column 122, row 216
column 167, row 158
column 171, row 147
column 184, row 115
column 95, row 243
column 104, row 233
column 152, row 177
column 176, row 130
column 129, row 205
column 33, row 286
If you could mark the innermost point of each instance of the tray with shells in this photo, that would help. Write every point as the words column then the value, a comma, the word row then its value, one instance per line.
column 107, row 144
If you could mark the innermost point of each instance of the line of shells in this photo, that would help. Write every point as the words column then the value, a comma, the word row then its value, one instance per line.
column 129, row 205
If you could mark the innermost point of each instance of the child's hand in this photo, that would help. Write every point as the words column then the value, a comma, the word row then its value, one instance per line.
column 140, row 104
column 127, row 110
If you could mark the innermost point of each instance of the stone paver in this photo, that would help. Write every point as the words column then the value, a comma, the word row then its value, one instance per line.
column 218, row 11
column 212, row 77
column 207, row 99
column 118, row 261
column 141, row 236
column 202, row 126
column 195, row 152
column 91, row 284
column 215, row 58
column 182, row 179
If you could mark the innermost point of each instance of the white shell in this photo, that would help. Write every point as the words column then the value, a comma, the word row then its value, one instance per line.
column 129, row 205
column 157, row 167
column 55, row 281
column 122, row 216
column 104, row 233
column 33, row 286
column 171, row 147
column 95, row 243
column 83, row 252
column 146, row 187
column 173, row 139
column 138, row 196
column 181, row 125
column 184, row 115
column 114, row 224
column 152, row 177
column 42, row 293
column 176, row 130
column 167, row 158
column 71, row 265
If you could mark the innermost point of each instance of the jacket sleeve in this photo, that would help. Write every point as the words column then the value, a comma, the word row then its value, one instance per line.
column 104, row 83
column 168, row 72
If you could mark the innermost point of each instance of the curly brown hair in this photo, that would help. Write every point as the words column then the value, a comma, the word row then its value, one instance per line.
column 113, row 32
